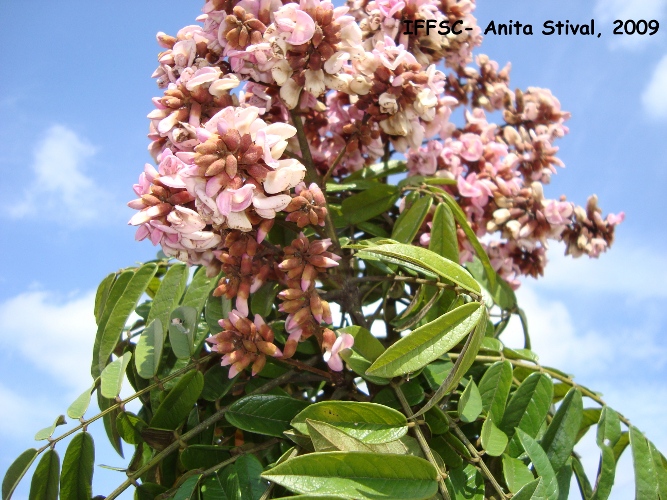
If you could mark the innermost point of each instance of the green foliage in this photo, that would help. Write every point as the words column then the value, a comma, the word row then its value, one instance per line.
column 357, row 475
column 437, row 408
column 77, row 477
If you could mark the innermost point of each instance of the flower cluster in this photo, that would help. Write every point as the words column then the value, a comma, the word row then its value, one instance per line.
column 500, row 171
column 262, row 92
column 244, row 343
column 303, row 262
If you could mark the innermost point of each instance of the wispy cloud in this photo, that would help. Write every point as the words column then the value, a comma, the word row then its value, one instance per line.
column 608, row 11
column 59, row 188
column 633, row 271
column 22, row 416
column 54, row 334
column 654, row 97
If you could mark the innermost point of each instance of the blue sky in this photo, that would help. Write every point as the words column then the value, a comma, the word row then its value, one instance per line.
column 73, row 98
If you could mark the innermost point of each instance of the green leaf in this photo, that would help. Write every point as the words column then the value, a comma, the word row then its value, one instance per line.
column 115, row 293
column 327, row 437
column 47, row 432
column 364, row 342
column 541, row 463
column 516, row 474
column 461, row 218
column 169, row 294
column 564, row 479
column 249, row 470
column 606, row 474
column 495, row 388
column 176, row 407
column 582, row 480
column 463, row 363
column 465, row 483
column 369, row 422
column 527, row 408
column 129, row 427
column 494, row 441
column 360, row 365
column 76, row 481
column 198, row 290
column 372, row 228
column 186, row 490
column 110, row 332
column 44, row 485
column 427, row 343
column 590, row 417
column 535, row 490
column 113, row 375
column 311, row 497
column 646, row 478
column 264, row 413
column 377, row 170
column 501, row 292
column 608, row 434
column 102, row 295
column 426, row 259
column 217, row 383
column 148, row 491
column 435, row 373
column 609, row 428
column 370, row 203
column 561, row 435
column 357, row 475
column 407, row 224
column 360, row 185
column 413, row 392
column 261, row 302
column 202, row 456
column 470, row 403
column 660, row 469
column 109, row 421
column 622, row 444
column 216, row 308
column 80, row 405
column 16, row 472
column 182, row 329
column 148, row 353
column 444, row 241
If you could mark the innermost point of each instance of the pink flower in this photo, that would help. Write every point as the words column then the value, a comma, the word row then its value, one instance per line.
column 332, row 358
column 297, row 23
column 471, row 147
column 235, row 200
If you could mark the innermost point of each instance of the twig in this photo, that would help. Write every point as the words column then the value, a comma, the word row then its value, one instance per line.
column 478, row 458
column 539, row 368
column 191, row 433
column 122, row 403
column 333, row 166
column 422, row 441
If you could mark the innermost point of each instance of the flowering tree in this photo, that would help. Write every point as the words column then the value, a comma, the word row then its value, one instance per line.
column 355, row 251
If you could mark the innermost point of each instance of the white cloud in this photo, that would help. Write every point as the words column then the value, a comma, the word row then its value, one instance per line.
column 23, row 416
column 56, row 335
column 636, row 272
column 607, row 11
column 59, row 188
column 555, row 338
column 654, row 97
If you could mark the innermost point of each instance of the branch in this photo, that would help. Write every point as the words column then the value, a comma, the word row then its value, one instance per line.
column 311, row 173
column 552, row 373
column 478, row 458
column 120, row 404
column 132, row 478
column 422, row 441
